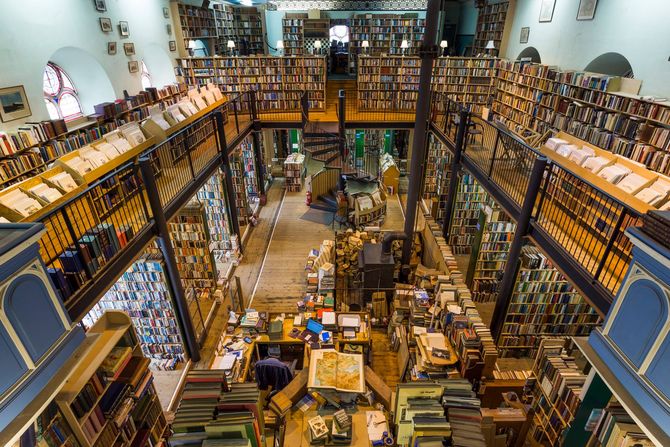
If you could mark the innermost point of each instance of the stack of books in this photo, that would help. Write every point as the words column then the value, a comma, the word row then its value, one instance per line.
column 341, row 431
column 318, row 431
column 252, row 323
column 463, row 411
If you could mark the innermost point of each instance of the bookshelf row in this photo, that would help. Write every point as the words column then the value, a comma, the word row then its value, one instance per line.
column 384, row 33
column 279, row 81
column 490, row 26
column 436, row 179
column 470, row 198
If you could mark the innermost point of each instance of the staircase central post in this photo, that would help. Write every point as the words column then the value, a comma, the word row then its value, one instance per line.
column 342, row 137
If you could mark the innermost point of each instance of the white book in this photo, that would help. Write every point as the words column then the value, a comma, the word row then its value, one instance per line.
column 650, row 196
column 554, row 143
column 595, row 164
column 632, row 183
column 614, row 174
column 566, row 149
column 64, row 181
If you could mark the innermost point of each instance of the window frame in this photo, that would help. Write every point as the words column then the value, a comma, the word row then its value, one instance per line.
column 65, row 88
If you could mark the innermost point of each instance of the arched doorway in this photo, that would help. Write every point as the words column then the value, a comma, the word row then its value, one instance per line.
column 339, row 48
column 530, row 54
column 613, row 64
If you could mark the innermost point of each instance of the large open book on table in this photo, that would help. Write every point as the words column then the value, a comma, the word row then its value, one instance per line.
column 331, row 369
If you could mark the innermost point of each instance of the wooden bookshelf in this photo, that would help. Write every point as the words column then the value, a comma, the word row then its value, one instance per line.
column 556, row 395
column 241, row 199
column 436, row 179
column 388, row 83
column 384, row 33
column 248, row 26
column 294, row 172
column 250, row 169
column 490, row 26
column 143, row 293
column 493, row 251
column 194, row 23
column 470, row 81
column 293, row 33
column 470, row 198
column 224, row 20
column 224, row 245
column 110, row 398
column 278, row 80
column 543, row 304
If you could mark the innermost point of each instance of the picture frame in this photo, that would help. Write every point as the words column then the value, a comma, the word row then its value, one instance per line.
column 587, row 9
column 123, row 29
column 133, row 66
column 546, row 11
column 525, row 32
column 173, row 45
column 13, row 103
column 100, row 5
column 166, row 13
column 111, row 48
column 129, row 48
column 168, row 27
column 105, row 24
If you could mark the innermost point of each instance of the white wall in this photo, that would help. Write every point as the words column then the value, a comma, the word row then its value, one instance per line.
column 638, row 29
column 32, row 31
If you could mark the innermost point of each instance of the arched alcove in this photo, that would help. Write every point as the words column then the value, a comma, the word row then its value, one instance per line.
column 530, row 53
column 613, row 64
column 159, row 64
column 88, row 76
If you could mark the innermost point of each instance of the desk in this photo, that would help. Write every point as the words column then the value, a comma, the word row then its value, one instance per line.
column 297, row 428
column 248, row 352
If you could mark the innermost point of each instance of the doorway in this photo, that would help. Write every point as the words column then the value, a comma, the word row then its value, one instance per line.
column 339, row 48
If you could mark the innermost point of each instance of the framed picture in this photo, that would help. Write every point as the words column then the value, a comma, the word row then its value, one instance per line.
column 525, row 32
column 106, row 24
column 100, row 5
column 133, row 66
column 123, row 29
column 173, row 45
column 166, row 13
column 546, row 10
column 111, row 48
column 129, row 48
column 587, row 9
column 13, row 103
column 169, row 29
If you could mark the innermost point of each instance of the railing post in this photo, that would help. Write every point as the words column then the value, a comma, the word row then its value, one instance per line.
column 256, row 143
column 463, row 119
column 522, row 227
column 172, row 273
column 230, row 189
column 304, row 104
column 75, row 244
column 342, row 135
column 237, row 122
column 428, row 53
column 495, row 151
column 610, row 244
column 253, row 106
column 187, row 150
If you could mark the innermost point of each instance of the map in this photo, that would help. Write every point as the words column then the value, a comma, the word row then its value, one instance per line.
column 331, row 369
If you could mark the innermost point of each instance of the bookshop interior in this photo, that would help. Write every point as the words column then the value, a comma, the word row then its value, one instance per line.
column 285, row 223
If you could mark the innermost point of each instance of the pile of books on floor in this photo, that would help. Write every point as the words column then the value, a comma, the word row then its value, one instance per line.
column 463, row 411
column 313, row 302
column 326, row 277
column 209, row 415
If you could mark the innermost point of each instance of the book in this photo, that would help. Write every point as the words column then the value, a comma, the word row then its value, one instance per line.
column 332, row 370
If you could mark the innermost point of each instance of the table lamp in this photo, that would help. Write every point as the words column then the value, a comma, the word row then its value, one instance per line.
column 444, row 45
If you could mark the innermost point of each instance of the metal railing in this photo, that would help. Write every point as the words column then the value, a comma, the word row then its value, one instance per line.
column 379, row 107
column 584, row 224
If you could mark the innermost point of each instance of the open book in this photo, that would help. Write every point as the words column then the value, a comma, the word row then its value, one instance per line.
column 331, row 369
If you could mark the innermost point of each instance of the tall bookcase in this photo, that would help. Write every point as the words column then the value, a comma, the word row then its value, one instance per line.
column 436, row 180
column 388, row 83
column 490, row 26
column 143, row 293
column 470, row 198
column 384, row 33
column 195, row 23
column 110, row 398
column 279, row 81
column 224, row 20
column 224, row 245
column 248, row 26
column 492, row 253
column 240, row 189
column 470, row 81
column 543, row 305
column 250, row 169
column 293, row 32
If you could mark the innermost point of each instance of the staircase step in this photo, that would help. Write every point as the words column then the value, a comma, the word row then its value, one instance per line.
column 329, row 199
column 320, row 205
column 319, row 135
column 308, row 142
column 327, row 157
column 321, row 150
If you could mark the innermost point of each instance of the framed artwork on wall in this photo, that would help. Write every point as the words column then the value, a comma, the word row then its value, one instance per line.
column 105, row 24
column 13, row 103
column 587, row 9
column 173, row 45
column 100, row 5
column 525, row 32
column 169, row 29
column 129, row 48
column 133, row 66
column 111, row 48
column 166, row 13
column 546, row 10
column 123, row 29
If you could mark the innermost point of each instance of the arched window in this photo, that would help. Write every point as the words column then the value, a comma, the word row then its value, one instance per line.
column 60, row 95
column 146, row 77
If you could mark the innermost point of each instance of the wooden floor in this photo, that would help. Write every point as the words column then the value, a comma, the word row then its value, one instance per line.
column 383, row 361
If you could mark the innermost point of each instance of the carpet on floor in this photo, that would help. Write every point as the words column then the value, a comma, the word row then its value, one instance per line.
column 318, row 216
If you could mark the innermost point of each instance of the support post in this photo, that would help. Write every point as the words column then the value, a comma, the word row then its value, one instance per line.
column 230, row 189
column 522, row 227
column 172, row 273
column 428, row 53
column 463, row 119
column 258, row 159
column 341, row 131
column 304, row 105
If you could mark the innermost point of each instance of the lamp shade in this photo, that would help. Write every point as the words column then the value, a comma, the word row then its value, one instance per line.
column 317, row 44
column 444, row 44
column 280, row 44
column 365, row 44
column 191, row 45
column 231, row 44
column 404, row 44
column 490, row 45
